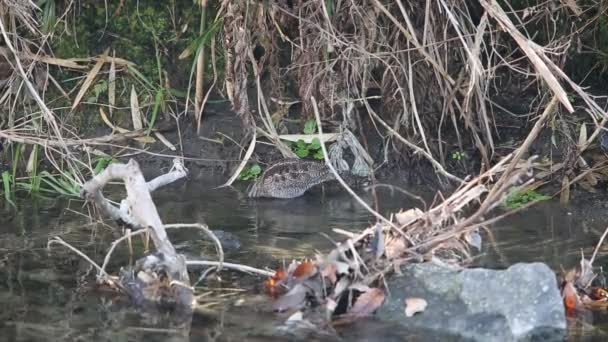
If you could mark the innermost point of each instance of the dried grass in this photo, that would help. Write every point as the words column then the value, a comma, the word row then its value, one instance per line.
column 436, row 65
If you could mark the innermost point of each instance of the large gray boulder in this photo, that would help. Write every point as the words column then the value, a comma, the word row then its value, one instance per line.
column 521, row 303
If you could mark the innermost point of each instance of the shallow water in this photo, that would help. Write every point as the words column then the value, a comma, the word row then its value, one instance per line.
column 44, row 295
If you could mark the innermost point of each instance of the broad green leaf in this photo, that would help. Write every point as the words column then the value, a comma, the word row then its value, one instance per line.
column 255, row 170
column 302, row 153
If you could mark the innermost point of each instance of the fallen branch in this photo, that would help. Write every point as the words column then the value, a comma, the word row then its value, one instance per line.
column 139, row 210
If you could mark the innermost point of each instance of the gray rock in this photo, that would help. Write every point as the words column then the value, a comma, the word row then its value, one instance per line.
column 521, row 303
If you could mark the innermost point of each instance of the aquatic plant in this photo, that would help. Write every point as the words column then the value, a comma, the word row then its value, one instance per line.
column 518, row 199
column 251, row 172
column 303, row 149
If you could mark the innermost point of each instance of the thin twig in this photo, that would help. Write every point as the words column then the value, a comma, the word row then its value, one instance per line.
column 60, row 241
column 218, row 244
column 229, row 265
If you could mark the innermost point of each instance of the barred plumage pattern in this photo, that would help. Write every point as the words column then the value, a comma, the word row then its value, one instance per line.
column 290, row 178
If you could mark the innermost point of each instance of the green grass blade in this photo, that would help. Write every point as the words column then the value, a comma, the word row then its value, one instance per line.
column 6, row 181
column 140, row 77
column 158, row 101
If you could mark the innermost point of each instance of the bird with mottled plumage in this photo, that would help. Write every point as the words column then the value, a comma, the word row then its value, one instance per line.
column 290, row 178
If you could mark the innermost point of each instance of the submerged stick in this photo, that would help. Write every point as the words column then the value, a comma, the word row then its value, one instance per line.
column 60, row 241
column 128, row 235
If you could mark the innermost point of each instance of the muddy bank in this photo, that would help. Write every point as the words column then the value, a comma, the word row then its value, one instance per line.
column 221, row 143
column 224, row 137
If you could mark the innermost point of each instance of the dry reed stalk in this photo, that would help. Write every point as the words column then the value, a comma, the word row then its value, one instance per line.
column 200, row 70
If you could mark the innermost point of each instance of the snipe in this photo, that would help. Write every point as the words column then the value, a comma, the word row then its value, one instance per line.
column 290, row 178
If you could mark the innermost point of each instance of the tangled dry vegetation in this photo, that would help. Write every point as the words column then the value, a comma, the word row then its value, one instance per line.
column 429, row 75
column 425, row 74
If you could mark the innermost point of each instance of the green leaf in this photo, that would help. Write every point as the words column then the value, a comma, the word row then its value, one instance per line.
column 158, row 101
column 140, row 77
column 310, row 127
column 178, row 93
column 255, row 170
column 63, row 186
column 315, row 144
column 205, row 38
column 15, row 160
column 57, row 188
column 518, row 199
column 301, row 144
column 302, row 153
column 329, row 4
column 49, row 17
column 250, row 172
column 100, row 88
column 318, row 155
column 102, row 163
column 6, row 181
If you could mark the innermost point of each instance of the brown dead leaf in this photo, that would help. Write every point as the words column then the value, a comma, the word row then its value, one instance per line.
column 112, row 85
column 66, row 63
column 586, row 185
column 582, row 137
column 104, row 59
column 305, row 270
column 414, row 305
column 570, row 296
column 603, row 171
column 395, row 247
column 329, row 272
column 367, row 303
column 135, row 114
column 406, row 217
column 89, row 80
column 572, row 275
column 592, row 178
column 564, row 197
column 272, row 284
column 586, row 274
column 105, row 119
column 573, row 6
column 165, row 141
column 145, row 139
column 598, row 294
column 550, row 171
column 280, row 113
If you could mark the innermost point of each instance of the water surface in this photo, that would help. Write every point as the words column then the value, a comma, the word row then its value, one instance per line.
column 46, row 295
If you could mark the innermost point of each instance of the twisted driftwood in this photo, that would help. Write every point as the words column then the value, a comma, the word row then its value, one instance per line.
column 160, row 278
